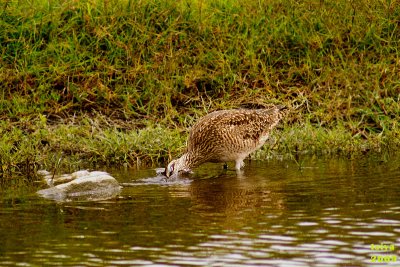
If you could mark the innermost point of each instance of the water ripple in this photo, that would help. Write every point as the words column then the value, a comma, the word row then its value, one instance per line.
column 158, row 180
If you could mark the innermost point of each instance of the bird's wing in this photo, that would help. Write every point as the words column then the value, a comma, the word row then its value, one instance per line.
column 238, row 126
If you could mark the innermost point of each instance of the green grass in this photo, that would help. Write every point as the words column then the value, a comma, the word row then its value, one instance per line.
column 114, row 82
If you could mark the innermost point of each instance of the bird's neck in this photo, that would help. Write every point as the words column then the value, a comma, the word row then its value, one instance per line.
column 189, row 160
column 192, row 159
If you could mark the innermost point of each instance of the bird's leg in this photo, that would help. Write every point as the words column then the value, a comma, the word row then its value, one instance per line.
column 225, row 166
column 239, row 164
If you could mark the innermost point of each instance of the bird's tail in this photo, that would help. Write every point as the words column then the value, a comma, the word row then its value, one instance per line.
column 281, row 107
column 282, row 111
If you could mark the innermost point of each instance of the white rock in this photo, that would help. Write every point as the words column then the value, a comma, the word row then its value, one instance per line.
column 84, row 186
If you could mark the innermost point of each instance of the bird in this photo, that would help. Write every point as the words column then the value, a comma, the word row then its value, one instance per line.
column 226, row 135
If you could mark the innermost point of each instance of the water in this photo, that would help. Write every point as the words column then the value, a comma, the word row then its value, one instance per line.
column 328, row 213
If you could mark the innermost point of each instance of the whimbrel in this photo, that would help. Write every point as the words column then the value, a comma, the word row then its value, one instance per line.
column 226, row 135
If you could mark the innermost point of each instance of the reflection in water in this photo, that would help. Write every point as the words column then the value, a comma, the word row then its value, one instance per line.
column 328, row 213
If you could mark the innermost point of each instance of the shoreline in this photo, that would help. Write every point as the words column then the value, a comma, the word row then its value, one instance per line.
column 97, row 141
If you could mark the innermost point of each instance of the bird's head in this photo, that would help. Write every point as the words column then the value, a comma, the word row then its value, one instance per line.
column 177, row 167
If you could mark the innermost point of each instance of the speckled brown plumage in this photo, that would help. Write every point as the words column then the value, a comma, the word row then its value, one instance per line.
column 227, row 135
